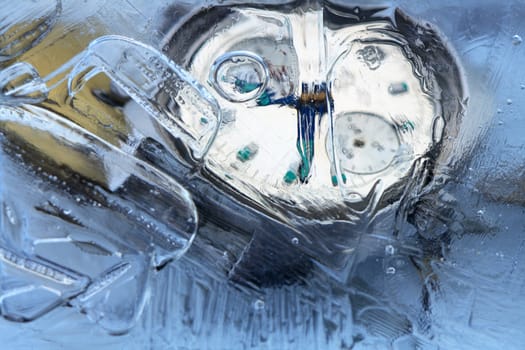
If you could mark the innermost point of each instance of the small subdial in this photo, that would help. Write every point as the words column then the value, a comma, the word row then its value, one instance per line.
column 365, row 143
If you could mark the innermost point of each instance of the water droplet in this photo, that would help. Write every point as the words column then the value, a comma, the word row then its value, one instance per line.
column 295, row 241
column 258, row 305
column 389, row 249
column 522, row 86
column 499, row 111
column 516, row 39
column 509, row 101
column 480, row 212
column 390, row 270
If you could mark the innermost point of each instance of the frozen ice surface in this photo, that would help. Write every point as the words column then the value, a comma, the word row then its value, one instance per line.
column 451, row 277
column 25, row 25
column 89, row 219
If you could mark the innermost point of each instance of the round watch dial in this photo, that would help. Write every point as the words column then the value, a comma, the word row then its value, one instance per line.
column 365, row 143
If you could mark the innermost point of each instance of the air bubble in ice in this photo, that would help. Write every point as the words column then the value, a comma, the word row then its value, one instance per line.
column 390, row 270
column 389, row 249
column 295, row 241
column 516, row 40
column 259, row 305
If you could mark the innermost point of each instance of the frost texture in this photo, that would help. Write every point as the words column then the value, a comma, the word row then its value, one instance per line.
column 452, row 277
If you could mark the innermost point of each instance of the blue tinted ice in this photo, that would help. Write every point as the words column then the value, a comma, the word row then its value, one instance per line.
column 227, row 175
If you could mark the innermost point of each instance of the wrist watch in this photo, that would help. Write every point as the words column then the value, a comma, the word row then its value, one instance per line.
column 328, row 114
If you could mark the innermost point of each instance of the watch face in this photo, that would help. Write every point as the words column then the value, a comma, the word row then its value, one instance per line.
column 316, row 108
